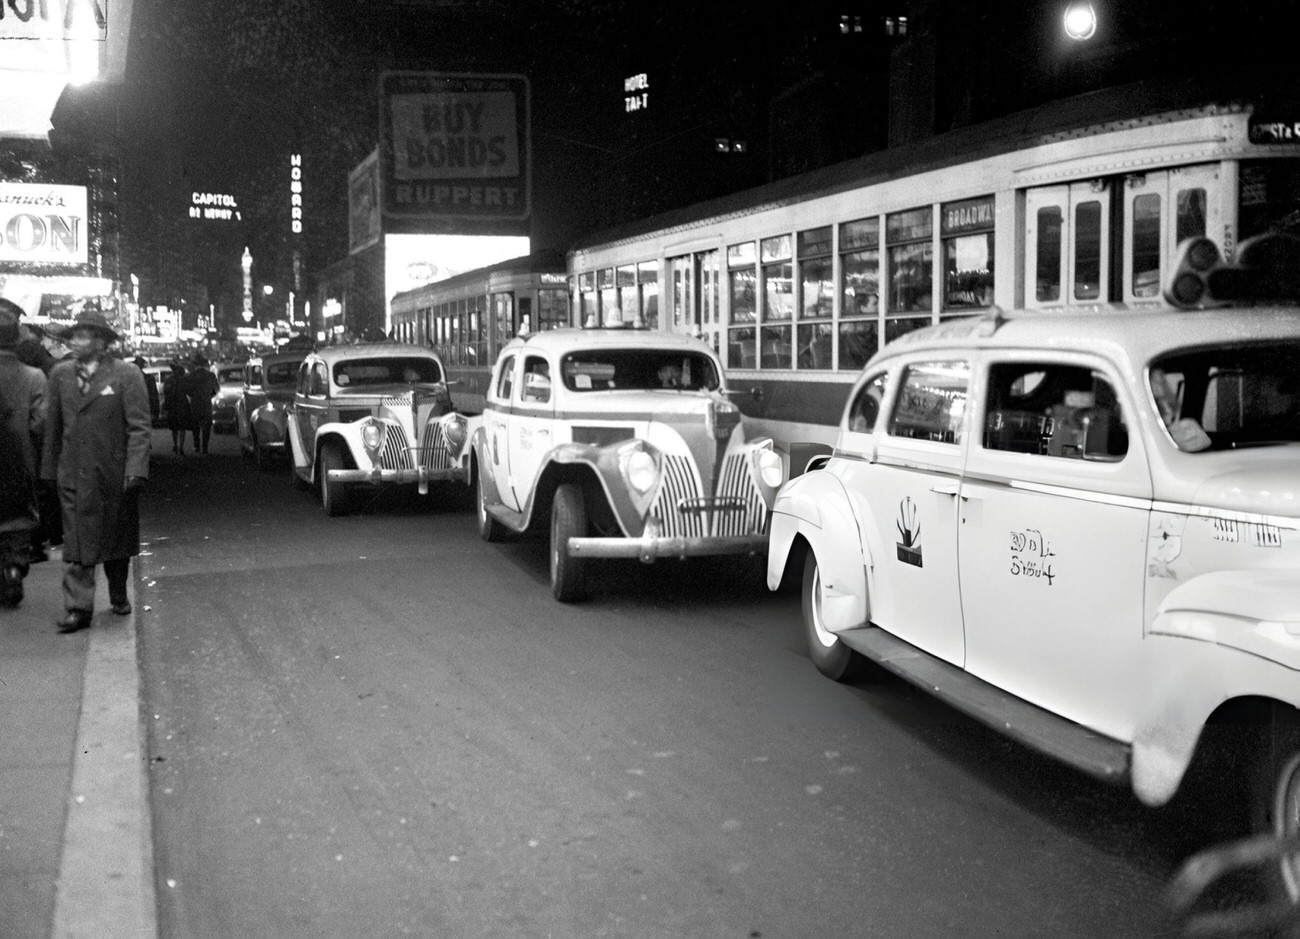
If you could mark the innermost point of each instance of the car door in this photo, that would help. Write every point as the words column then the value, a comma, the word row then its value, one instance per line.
column 1055, row 503
column 532, row 414
column 907, row 495
column 496, row 416
column 310, row 406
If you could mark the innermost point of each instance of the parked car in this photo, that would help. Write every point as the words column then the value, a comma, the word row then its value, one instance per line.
column 369, row 415
column 1082, row 528
column 230, row 376
column 262, row 414
column 624, row 444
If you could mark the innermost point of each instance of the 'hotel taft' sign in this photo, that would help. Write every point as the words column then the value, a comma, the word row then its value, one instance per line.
column 454, row 148
column 42, row 223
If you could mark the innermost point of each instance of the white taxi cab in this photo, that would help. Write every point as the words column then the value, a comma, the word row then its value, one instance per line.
column 1083, row 528
column 623, row 442
column 372, row 414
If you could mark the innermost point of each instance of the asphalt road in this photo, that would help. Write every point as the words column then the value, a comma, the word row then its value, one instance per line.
column 380, row 725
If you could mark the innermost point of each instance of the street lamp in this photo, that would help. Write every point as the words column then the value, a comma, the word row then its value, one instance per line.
column 1080, row 21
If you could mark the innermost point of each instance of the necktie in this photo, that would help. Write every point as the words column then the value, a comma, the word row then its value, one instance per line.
column 83, row 379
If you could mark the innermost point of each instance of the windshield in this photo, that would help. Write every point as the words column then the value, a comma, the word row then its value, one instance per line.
column 388, row 370
column 280, row 373
column 638, row 370
column 1229, row 396
column 232, row 375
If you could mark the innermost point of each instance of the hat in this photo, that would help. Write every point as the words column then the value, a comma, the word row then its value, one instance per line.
column 91, row 319
column 199, row 359
column 8, row 328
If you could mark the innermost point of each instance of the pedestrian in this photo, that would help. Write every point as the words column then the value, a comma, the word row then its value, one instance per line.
column 200, row 386
column 32, row 350
column 177, row 407
column 97, row 451
column 22, row 419
column 151, row 385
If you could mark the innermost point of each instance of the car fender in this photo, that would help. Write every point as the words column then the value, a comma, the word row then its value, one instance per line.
column 816, row 507
column 477, row 446
column 268, row 424
column 1219, row 637
column 296, row 451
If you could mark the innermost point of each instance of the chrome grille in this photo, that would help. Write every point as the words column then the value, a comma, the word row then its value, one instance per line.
column 434, row 452
column 396, row 454
column 736, row 508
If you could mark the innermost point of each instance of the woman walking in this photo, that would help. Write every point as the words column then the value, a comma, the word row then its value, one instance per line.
column 177, row 407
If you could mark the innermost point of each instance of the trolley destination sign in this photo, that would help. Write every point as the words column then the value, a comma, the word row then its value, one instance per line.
column 454, row 149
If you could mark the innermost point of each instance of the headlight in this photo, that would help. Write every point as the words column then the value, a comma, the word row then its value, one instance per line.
column 453, row 428
column 769, row 468
column 372, row 435
column 641, row 470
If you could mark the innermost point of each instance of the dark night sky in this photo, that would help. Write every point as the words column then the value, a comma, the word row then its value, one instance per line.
column 219, row 93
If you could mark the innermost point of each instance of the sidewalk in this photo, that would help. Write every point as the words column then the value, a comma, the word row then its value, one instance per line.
column 75, row 849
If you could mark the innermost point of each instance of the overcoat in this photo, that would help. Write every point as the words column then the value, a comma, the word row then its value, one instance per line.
column 22, row 408
column 93, row 442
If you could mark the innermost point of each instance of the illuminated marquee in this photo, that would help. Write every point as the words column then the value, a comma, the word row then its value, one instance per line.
column 218, row 206
column 43, row 223
column 636, row 92
column 295, row 193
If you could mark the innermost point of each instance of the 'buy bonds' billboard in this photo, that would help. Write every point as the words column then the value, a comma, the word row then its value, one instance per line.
column 455, row 153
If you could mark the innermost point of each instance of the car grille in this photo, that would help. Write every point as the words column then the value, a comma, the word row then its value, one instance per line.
column 396, row 454
column 736, row 508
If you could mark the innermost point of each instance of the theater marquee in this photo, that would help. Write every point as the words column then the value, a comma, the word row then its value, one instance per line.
column 455, row 153
column 40, row 223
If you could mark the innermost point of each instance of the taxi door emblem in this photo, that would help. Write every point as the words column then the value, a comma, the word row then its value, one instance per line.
column 909, row 530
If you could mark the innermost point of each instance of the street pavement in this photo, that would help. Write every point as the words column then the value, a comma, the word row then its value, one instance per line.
column 75, row 850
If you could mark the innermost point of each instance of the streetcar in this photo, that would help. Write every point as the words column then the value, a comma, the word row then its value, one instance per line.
column 1080, row 203
column 469, row 317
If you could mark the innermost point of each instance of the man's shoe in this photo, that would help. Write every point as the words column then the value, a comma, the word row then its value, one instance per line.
column 122, row 608
column 11, row 586
column 74, row 620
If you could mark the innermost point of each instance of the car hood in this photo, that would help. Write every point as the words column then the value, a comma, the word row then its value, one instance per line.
column 1272, row 489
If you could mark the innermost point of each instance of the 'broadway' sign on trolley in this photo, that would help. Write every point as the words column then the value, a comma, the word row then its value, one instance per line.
column 454, row 152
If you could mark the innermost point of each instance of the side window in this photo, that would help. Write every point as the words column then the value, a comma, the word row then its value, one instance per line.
column 1052, row 409
column 304, row 373
column 319, row 382
column 931, row 401
column 537, row 380
column 506, row 378
column 865, row 407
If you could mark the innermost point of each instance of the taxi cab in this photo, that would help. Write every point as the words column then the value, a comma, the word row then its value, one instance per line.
column 372, row 414
column 624, row 444
column 262, row 413
column 1082, row 528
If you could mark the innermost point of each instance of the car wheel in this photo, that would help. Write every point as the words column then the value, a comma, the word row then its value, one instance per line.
column 832, row 657
column 568, row 520
column 489, row 528
column 333, row 496
column 1275, row 799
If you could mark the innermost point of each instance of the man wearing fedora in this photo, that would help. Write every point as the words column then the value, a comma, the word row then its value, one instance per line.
column 97, row 451
column 22, row 418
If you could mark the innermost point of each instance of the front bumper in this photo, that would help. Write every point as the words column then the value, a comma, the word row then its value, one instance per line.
column 654, row 544
column 379, row 476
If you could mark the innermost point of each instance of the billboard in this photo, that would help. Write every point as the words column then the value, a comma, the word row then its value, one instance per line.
column 455, row 153
column 364, row 226
column 43, row 223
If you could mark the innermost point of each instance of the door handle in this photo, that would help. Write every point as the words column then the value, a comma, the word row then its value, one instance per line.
column 948, row 489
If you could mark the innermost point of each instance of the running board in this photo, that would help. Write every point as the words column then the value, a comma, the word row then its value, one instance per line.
column 1036, row 728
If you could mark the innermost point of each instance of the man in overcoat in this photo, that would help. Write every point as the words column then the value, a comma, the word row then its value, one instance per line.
column 22, row 420
column 97, row 451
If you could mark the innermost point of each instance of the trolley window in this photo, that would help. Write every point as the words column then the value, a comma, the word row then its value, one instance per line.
column 742, row 286
column 911, row 260
column 967, row 230
column 647, row 274
column 859, row 327
column 816, row 298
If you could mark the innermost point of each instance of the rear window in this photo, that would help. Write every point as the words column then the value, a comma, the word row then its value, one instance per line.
column 234, row 373
column 280, row 373
column 388, row 370
column 639, row 370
